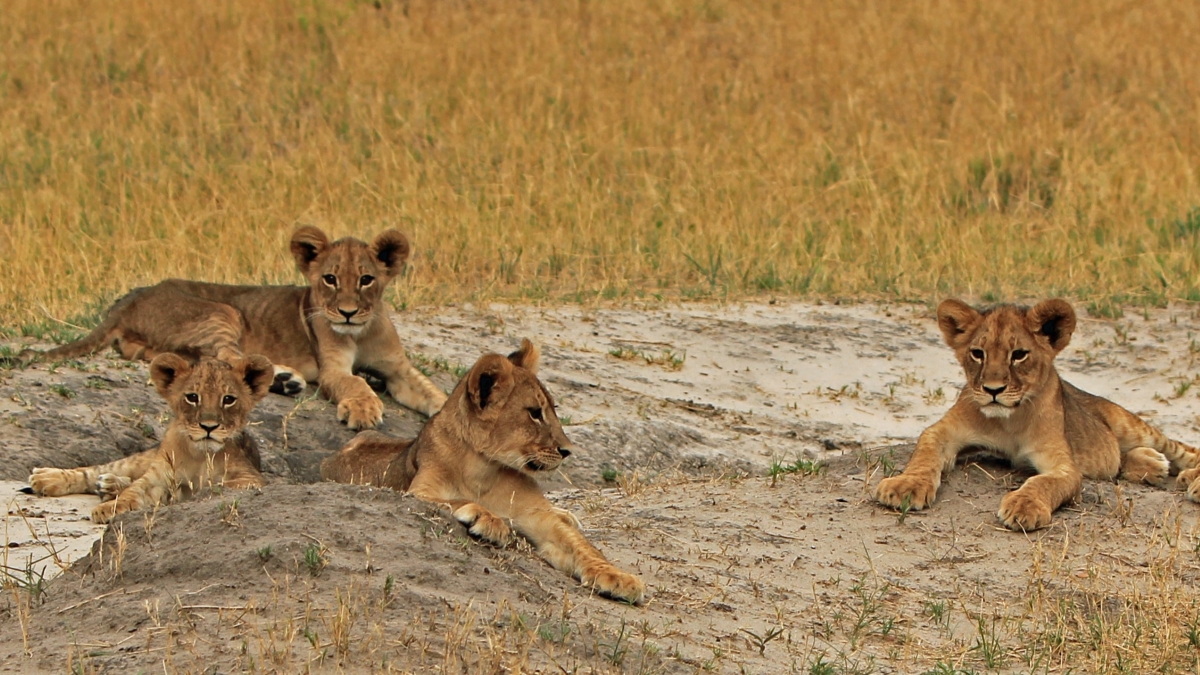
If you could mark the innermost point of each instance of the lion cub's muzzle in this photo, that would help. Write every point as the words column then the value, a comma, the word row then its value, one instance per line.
column 997, row 401
column 547, row 460
column 208, row 436
column 348, row 321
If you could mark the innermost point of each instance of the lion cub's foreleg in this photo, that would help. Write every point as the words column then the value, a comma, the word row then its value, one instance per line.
column 412, row 389
column 382, row 352
column 106, row 480
column 916, row 488
column 1058, row 481
column 156, row 486
column 553, row 531
column 556, row 535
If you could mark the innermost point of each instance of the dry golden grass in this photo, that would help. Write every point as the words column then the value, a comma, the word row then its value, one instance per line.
column 618, row 149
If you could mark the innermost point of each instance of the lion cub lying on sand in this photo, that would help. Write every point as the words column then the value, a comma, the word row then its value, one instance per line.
column 477, row 455
column 1015, row 404
column 324, row 332
column 204, row 444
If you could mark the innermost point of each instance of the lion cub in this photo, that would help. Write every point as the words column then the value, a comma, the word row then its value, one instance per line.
column 205, row 443
column 1015, row 404
column 478, row 456
column 325, row 332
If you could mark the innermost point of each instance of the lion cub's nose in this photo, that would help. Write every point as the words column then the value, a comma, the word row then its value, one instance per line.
column 209, row 426
column 347, row 312
column 995, row 391
column 564, row 452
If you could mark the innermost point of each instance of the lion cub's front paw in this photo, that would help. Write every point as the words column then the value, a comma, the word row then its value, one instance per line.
column 905, row 491
column 109, row 485
column 612, row 583
column 361, row 412
column 1020, row 510
column 106, row 511
column 50, row 482
column 1190, row 481
column 483, row 524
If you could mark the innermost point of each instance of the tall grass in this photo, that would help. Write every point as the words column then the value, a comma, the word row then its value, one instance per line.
column 566, row 150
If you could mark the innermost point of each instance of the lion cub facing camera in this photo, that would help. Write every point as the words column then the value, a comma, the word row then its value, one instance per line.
column 205, row 442
column 326, row 332
column 478, row 456
column 1016, row 405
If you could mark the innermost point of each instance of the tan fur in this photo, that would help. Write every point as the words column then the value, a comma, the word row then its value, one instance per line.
column 478, row 457
column 1016, row 405
column 205, row 443
column 324, row 332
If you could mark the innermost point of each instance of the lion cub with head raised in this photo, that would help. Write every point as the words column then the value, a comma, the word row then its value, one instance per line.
column 1016, row 405
column 204, row 444
column 324, row 332
column 478, row 456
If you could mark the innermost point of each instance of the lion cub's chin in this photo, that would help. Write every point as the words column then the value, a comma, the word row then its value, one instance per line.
column 996, row 411
column 208, row 444
column 351, row 329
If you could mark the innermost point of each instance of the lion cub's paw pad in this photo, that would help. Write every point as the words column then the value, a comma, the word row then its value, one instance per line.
column 109, row 485
column 361, row 413
column 1020, row 511
column 900, row 492
column 616, row 585
column 288, row 384
column 483, row 524
column 49, row 482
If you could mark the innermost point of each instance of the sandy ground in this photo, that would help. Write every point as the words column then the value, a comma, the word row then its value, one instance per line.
column 679, row 414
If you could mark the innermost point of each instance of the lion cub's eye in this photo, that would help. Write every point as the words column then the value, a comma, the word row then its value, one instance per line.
column 365, row 280
column 330, row 279
column 977, row 354
column 193, row 399
column 228, row 400
column 1019, row 355
column 536, row 414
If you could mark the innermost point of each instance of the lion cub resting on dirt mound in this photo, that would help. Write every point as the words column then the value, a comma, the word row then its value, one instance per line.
column 323, row 332
column 204, row 444
column 1015, row 404
column 477, row 456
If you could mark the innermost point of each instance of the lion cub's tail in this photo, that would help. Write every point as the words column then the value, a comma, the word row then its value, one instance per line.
column 98, row 339
column 370, row 458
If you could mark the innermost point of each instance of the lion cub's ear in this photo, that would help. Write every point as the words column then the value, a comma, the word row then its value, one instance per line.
column 527, row 356
column 956, row 319
column 391, row 248
column 166, row 369
column 308, row 243
column 1054, row 320
column 490, row 382
column 258, row 373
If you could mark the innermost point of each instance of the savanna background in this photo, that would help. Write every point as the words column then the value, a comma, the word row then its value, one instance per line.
column 581, row 161
column 568, row 151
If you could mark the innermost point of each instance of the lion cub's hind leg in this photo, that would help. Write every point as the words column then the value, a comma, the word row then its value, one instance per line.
column 51, row 482
column 288, row 381
column 1145, row 465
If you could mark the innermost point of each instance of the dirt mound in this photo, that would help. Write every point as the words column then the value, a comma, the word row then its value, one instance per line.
column 753, row 574
column 697, row 429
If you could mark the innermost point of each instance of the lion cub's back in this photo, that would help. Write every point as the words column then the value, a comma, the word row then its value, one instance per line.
column 365, row 461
